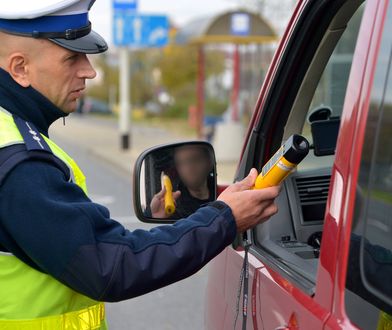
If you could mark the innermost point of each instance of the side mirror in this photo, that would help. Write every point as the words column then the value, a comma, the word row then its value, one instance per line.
column 172, row 181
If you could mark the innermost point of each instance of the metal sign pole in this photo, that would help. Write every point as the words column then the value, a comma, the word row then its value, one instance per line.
column 120, row 9
column 132, row 30
column 125, row 104
column 200, row 91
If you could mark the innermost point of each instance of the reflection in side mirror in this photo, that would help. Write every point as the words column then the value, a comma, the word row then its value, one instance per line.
column 172, row 181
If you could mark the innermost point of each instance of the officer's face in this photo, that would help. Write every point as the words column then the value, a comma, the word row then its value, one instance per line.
column 60, row 75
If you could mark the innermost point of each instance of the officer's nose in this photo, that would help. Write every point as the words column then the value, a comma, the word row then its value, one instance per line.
column 86, row 70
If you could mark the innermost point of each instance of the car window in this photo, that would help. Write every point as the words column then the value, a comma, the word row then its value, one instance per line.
column 369, row 276
column 292, row 238
column 331, row 89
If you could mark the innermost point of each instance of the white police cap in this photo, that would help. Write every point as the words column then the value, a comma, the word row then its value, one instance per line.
column 64, row 22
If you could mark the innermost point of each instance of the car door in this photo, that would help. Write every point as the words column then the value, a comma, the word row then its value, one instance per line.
column 291, row 275
column 363, row 295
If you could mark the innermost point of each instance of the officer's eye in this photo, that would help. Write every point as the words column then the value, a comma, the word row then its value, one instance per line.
column 71, row 57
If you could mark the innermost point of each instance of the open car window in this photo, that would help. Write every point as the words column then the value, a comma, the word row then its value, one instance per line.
column 291, row 239
column 327, row 102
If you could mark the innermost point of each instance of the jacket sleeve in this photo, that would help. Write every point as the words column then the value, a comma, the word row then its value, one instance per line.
column 51, row 225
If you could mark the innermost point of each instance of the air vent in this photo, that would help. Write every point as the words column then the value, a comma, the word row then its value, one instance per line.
column 313, row 189
column 313, row 194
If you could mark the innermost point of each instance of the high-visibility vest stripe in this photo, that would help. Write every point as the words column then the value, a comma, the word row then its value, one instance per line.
column 92, row 317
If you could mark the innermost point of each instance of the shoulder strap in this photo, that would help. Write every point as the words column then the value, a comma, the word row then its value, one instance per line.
column 34, row 148
column 13, row 155
column 31, row 136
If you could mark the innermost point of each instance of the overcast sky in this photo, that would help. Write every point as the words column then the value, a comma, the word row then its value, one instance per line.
column 179, row 11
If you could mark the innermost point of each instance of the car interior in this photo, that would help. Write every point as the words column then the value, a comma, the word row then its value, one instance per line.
column 294, row 235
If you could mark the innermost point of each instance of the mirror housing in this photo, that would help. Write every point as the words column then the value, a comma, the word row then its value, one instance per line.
column 172, row 181
column 325, row 130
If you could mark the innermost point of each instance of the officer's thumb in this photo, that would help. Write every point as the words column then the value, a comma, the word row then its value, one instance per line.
column 161, row 194
column 248, row 182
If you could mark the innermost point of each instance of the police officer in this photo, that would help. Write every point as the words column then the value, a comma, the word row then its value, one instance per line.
column 61, row 255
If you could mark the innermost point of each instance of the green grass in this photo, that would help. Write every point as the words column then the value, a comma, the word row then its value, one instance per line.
column 381, row 196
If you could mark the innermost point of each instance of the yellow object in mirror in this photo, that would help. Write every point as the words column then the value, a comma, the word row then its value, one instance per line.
column 170, row 207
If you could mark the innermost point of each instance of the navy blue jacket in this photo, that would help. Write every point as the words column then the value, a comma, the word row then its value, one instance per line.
column 50, row 224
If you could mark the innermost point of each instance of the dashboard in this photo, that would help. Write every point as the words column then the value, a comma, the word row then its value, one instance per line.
column 294, row 234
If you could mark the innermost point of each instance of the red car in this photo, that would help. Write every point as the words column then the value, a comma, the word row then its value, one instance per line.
column 324, row 261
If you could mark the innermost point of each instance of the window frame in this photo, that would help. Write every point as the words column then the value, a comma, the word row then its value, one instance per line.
column 380, row 295
column 360, row 217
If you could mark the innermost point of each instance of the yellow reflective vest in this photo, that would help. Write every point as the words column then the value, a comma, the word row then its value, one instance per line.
column 33, row 300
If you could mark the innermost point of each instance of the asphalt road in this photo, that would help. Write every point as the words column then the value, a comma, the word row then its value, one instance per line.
column 178, row 306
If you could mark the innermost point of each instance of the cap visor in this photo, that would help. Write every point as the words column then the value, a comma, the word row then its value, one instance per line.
column 92, row 43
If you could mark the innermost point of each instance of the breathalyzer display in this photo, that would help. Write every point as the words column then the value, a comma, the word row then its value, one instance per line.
column 289, row 155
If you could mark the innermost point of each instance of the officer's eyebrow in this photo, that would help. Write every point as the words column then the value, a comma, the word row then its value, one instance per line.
column 68, row 54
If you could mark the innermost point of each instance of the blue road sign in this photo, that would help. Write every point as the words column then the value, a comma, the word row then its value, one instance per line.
column 125, row 5
column 140, row 31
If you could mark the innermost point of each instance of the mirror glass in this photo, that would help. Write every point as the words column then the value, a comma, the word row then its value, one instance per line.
column 176, row 180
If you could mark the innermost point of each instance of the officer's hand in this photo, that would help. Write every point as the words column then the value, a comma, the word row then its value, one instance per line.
column 157, row 204
column 250, row 207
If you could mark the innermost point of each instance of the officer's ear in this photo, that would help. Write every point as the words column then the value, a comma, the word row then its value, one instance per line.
column 18, row 69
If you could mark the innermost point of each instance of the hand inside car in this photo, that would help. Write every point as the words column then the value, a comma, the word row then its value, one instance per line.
column 250, row 207
column 157, row 204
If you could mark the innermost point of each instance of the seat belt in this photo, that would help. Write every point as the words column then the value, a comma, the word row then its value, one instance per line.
column 243, row 285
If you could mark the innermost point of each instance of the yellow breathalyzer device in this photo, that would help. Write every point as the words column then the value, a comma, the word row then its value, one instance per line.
column 170, row 207
column 289, row 155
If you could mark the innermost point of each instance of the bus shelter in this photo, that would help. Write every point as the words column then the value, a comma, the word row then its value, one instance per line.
column 238, row 27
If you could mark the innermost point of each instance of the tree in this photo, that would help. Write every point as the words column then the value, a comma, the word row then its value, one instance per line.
column 179, row 67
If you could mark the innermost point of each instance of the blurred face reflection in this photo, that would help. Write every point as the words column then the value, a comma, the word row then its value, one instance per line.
column 193, row 165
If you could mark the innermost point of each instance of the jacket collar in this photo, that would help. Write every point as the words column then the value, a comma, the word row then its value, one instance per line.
column 27, row 103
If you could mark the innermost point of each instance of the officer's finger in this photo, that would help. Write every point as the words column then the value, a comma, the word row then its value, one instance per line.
column 268, row 212
column 247, row 183
column 265, row 194
column 161, row 194
column 260, row 207
column 176, row 194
